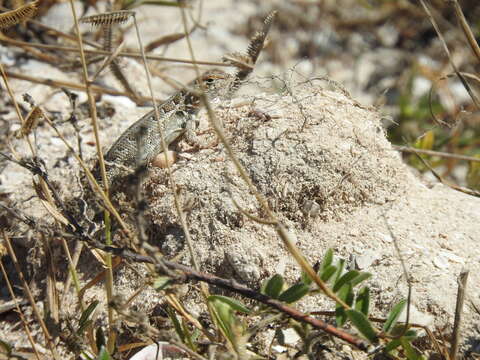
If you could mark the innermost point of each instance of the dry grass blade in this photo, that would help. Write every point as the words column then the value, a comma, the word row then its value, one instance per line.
column 73, row 86
column 445, row 182
column 466, row 29
column 107, row 21
column 473, row 96
column 462, row 288
column 109, row 60
column 164, row 40
column 7, row 40
column 18, row 15
column 108, row 18
column 30, row 297
column 413, row 150
column 52, row 299
column 48, row 204
column 19, row 310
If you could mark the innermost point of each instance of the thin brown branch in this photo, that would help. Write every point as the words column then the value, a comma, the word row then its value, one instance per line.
column 232, row 285
column 19, row 310
column 456, row 335
column 412, row 150
column 466, row 29
column 109, row 53
column 73, row 86
column 30, row 297
column 449, row 55
column 465, row 190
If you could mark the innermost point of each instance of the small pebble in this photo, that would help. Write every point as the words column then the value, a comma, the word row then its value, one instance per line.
column 159, row 160
column 440, row 262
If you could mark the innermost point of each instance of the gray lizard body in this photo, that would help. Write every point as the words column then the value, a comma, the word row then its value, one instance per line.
column 176, row 115
column 141, row 142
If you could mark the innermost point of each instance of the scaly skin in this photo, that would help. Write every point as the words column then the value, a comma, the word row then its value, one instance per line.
column 177, row 114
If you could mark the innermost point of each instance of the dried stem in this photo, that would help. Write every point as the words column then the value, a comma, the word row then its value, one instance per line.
column 232, row 285
column 408, row 149
column 19, row 310
column 447, row 51
column 457, row 333
column 109, row 53
column 30, row 297
column 73, row 86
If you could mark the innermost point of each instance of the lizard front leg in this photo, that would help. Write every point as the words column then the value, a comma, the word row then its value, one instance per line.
column 194, row 139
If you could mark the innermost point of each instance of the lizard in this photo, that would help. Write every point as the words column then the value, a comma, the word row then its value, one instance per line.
column 177, row 113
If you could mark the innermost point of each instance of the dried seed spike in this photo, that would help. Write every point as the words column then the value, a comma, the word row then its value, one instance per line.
column 107, row 37
column 107, row 21
column 256, row 44
column 18, row 15
column 253, row 51
column 108, row 18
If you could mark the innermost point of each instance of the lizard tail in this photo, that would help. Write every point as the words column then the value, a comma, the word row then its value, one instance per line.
column 245, row 63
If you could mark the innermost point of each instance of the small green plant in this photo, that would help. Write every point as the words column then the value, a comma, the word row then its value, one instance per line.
column 237, row 323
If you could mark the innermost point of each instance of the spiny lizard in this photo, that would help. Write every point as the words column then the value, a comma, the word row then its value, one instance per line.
column 178, row 112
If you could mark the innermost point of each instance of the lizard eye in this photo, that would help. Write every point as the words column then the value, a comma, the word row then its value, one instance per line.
column 209, row 80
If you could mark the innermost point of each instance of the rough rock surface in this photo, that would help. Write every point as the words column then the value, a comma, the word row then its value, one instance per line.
column 331, row 176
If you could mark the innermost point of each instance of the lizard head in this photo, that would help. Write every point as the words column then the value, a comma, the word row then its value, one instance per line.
column 214, row 82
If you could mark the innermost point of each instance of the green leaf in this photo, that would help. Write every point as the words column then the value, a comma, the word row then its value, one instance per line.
column 363, row 325
column 345, row 279
column 340, row 316
column 328, row 272
column 280, row 336
column 362, row 302
column 340, row 266
column 188, row 336
column 392, row 345
column 161, row 282
column 86, row 324
column 398, row 330
column 83, row 322
column 176, row 324
column 326, row 261
column 294, row 293
column 274, row 286
column 426, row 141
column 393, row 316
column 233, row 303
column 362, row 277
column 225, row 318
column 473, row 174
column 100, row 339
column 86, row 356
column 410, row 352
column 103, row 354
column 346, row 295
column 304, row 278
